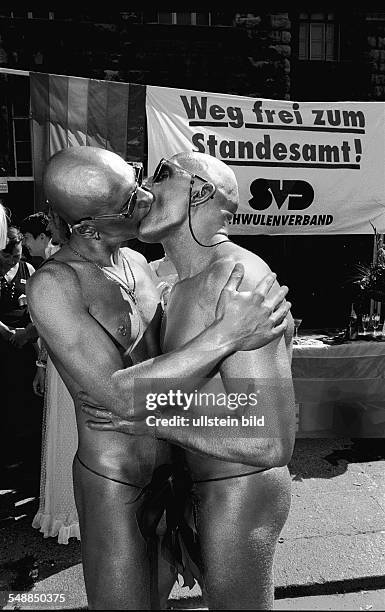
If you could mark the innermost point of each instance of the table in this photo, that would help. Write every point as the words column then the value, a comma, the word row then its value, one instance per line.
column 340, row 389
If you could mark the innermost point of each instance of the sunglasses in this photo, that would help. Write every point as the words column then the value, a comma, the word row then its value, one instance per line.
column 129, row 206
column 165, row 164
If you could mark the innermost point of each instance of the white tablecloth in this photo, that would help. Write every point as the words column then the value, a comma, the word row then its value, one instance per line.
column 341, row 387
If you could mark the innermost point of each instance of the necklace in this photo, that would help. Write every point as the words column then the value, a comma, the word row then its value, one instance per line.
column 112, row 276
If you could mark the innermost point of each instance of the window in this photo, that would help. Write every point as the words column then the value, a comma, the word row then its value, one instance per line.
column 36, row 14
column 184, row 18
column 318, row 37
column 22, row 146
column 20, row 127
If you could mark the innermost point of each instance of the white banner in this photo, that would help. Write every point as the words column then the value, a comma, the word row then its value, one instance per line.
column 302, row 167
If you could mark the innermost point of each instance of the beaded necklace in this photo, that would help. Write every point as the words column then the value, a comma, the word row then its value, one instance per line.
column 112, row 276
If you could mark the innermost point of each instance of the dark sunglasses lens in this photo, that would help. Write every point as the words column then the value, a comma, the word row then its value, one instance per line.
column 158, row 170
column 138, row 169
column 139, row 175
column 131, row 204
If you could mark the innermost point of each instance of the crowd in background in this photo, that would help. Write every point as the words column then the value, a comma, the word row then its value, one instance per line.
column 22, row 250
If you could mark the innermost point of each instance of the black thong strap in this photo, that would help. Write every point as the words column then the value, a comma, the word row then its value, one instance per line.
column 166, row 495
column 128, row 484
column 232, row 476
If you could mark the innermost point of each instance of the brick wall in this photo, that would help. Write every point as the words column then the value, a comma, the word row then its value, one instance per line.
column 375, row 34
column 248, row 56
column 270, row 52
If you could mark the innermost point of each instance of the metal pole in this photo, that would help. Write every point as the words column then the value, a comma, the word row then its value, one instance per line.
column 373, row 303
column 380, row 245
column 15, row 72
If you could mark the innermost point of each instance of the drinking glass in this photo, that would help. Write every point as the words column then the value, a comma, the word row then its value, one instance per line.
column 365, row 323
column 375, row 319
column 297, row 323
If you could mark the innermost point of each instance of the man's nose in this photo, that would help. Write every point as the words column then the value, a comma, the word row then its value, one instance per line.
column 145, row 196
column 147, row 182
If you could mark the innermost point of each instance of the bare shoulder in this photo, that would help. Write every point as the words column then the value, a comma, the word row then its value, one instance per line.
column 51, row 282
column 254, row 266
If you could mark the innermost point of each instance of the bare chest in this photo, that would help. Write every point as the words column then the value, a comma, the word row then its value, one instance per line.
column 130, row 319
column 190, row 310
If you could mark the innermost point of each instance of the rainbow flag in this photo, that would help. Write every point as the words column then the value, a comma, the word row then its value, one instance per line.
column 71, row 111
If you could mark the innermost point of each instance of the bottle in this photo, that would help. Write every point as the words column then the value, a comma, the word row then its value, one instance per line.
column 352, row 328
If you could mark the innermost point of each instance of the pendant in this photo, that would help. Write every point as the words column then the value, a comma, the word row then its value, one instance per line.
column 122, row 329
column 132, row 296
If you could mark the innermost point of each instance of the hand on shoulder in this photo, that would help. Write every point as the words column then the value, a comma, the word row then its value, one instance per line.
column 255, row 268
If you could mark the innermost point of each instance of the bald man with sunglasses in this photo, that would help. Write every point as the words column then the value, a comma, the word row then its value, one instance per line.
column 240, row 480
column 96, row 307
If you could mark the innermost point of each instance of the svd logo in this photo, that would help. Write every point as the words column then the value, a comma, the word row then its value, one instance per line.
column 300, row 194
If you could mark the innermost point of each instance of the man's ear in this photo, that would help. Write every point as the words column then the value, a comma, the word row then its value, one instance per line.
column 203, row 194
column 86, row 230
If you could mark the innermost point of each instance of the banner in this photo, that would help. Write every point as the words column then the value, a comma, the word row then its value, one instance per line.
column 73, row 111
column 302, row 167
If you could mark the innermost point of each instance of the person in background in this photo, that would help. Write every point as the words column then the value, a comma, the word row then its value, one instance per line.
column 60, row 233
column 4, row 330
column 37, row 236
column 56, row 515
column 3, row 227
column 21, row 409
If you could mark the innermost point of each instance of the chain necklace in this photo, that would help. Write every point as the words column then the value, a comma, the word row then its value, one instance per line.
column 109, row 274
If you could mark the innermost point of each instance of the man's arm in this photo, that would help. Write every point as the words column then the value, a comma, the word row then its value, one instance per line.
column 266, row 377
column 93, row 362
column 269, row 370
column 5, row 332
column 266, row 372
column 266, row 446
column 22, row 335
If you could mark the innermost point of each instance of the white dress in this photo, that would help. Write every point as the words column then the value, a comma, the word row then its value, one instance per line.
column 57, row 516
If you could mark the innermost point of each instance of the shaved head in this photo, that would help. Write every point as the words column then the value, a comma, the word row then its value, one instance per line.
column 215, row 171
column 86, row 181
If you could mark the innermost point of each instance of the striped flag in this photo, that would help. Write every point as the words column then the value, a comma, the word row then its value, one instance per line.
column 72, row 111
